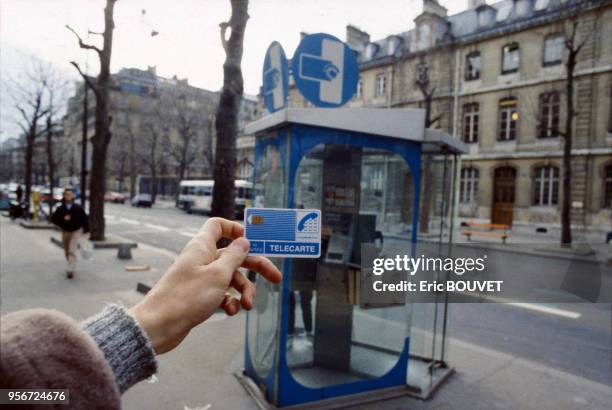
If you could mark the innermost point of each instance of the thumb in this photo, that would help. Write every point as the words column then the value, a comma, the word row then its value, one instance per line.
column 232, row 257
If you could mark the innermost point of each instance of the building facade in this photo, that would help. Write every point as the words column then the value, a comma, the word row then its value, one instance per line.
column 495, row 77
column 163, row 130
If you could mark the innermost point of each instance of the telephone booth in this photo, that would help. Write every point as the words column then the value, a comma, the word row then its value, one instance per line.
column 317, row 336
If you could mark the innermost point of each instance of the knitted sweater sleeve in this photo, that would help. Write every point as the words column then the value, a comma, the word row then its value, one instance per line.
column 96, row 360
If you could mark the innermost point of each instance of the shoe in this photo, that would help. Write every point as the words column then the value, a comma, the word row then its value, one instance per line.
column 69, row 274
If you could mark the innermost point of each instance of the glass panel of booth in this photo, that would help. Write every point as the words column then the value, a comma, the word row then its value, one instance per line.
column 335, row 335
column 428, row 342
column 262, row 331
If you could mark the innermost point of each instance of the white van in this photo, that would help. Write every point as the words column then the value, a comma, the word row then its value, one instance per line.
column 196, row 195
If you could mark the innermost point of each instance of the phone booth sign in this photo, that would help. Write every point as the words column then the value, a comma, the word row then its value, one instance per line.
column 315, row 336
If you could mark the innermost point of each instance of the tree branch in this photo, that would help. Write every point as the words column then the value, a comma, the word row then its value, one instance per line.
column 224, row 27
column 83, row 44
column 86, row 79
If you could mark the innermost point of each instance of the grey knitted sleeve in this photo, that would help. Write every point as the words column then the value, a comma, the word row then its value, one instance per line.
column 124, row 344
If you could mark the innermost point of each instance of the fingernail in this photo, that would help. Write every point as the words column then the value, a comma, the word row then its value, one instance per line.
column 242, row 243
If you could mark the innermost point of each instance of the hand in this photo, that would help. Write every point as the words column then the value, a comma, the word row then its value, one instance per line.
column 196, row 284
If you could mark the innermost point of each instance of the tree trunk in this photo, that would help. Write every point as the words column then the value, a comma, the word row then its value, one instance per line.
column 566, row 204
column 132, row 166
column 51, row 163
column 227, row 112
column 102, row 137
column 426, row 188
column 29, row 153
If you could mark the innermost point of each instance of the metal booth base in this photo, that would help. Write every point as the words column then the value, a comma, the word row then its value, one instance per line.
column 440, row 375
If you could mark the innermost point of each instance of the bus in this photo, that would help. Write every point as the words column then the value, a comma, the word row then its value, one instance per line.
column 196, row 195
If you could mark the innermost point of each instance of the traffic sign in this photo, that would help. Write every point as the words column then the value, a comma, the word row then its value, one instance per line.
column 275, row 78
column 325, row 70
column 290, row 233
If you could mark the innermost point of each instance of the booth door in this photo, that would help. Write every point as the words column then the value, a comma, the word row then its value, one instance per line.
column 504, row 185
column 336, row 334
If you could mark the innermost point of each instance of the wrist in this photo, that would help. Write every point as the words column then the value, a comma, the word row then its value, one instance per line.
column 162, row 333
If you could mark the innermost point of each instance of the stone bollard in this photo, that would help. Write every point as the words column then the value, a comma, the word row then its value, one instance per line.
column 124, row 251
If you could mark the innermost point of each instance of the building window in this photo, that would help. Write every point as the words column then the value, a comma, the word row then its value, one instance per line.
column 508, row 117
column 422, row 74
column 549, row 115
column 359, row 89
column 472, row 66
column 470, row 123
column 381, row 84
column 608, row 187
column 468, row 186
column 553, row 50
column 546, row 186
column 376, row 179
column 510, row 58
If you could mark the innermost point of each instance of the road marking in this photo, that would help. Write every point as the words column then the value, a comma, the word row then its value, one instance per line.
column 157, row 227
column 546, row 309
column 109, row 216
column 129, row 221
column 188, row 234
column 536, row 307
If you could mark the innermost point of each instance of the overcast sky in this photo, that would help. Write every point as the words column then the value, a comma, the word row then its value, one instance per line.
column 188, row 44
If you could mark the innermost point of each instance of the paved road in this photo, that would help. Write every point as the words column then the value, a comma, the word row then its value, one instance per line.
column 165, row 227
column 575, row 338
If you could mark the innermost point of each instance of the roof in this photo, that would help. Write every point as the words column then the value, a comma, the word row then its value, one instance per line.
column 401, row 123
column 483, row 21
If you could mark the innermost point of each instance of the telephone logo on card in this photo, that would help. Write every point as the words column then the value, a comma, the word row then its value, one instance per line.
column 291, row 233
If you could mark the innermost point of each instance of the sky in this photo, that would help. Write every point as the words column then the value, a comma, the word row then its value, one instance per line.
column 188, row 44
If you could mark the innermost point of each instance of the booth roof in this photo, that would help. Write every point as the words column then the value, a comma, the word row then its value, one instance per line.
column 401, row 123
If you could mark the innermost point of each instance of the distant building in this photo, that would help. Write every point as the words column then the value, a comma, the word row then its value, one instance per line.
column 147, row 111
column 497, row 77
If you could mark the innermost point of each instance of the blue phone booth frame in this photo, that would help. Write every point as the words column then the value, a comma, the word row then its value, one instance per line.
column 294, row 141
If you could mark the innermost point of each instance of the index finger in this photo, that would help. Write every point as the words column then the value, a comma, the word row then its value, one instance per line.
column 216, row 228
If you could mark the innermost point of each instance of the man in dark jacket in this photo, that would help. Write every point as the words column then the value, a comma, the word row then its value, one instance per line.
column 70, row 218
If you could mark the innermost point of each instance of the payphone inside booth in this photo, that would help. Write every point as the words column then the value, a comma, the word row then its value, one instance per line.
column 314, row 337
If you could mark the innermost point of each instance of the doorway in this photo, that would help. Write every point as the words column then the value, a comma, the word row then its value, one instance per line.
column 504, row 184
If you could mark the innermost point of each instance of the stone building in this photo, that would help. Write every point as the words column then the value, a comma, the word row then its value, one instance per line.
column 494, row 76
column 161, row 121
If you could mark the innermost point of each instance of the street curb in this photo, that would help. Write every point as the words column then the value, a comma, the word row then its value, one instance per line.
column 108, row 244
column 37, row 225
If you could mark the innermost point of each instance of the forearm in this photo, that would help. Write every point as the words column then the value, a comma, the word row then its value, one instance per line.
column 124, row 344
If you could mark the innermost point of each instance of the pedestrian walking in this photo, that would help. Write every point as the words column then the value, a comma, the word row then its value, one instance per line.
column 19, row 193
column 71, row 219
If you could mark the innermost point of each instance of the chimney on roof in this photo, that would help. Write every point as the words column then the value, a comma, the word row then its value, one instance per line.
column 357, row 38
column 472, row 4
column 433, row 7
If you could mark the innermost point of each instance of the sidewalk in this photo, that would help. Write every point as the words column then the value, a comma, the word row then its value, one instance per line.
column 199, row 373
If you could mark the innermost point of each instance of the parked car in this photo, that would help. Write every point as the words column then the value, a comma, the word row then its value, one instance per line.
column 5, row 200
column 45, row 196
column 115, row 197
column 142, row 200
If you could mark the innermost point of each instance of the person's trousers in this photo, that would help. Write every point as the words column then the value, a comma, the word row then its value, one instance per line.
column 306, row 305
column 71, row 243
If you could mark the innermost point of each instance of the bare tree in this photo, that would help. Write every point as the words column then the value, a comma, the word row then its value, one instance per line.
column 573, row 46
column 227, row 113
column 56, row 88
column 152, row 156
column 102, row 136
column 29, row 92
column 185, row 121
column 428, row 92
